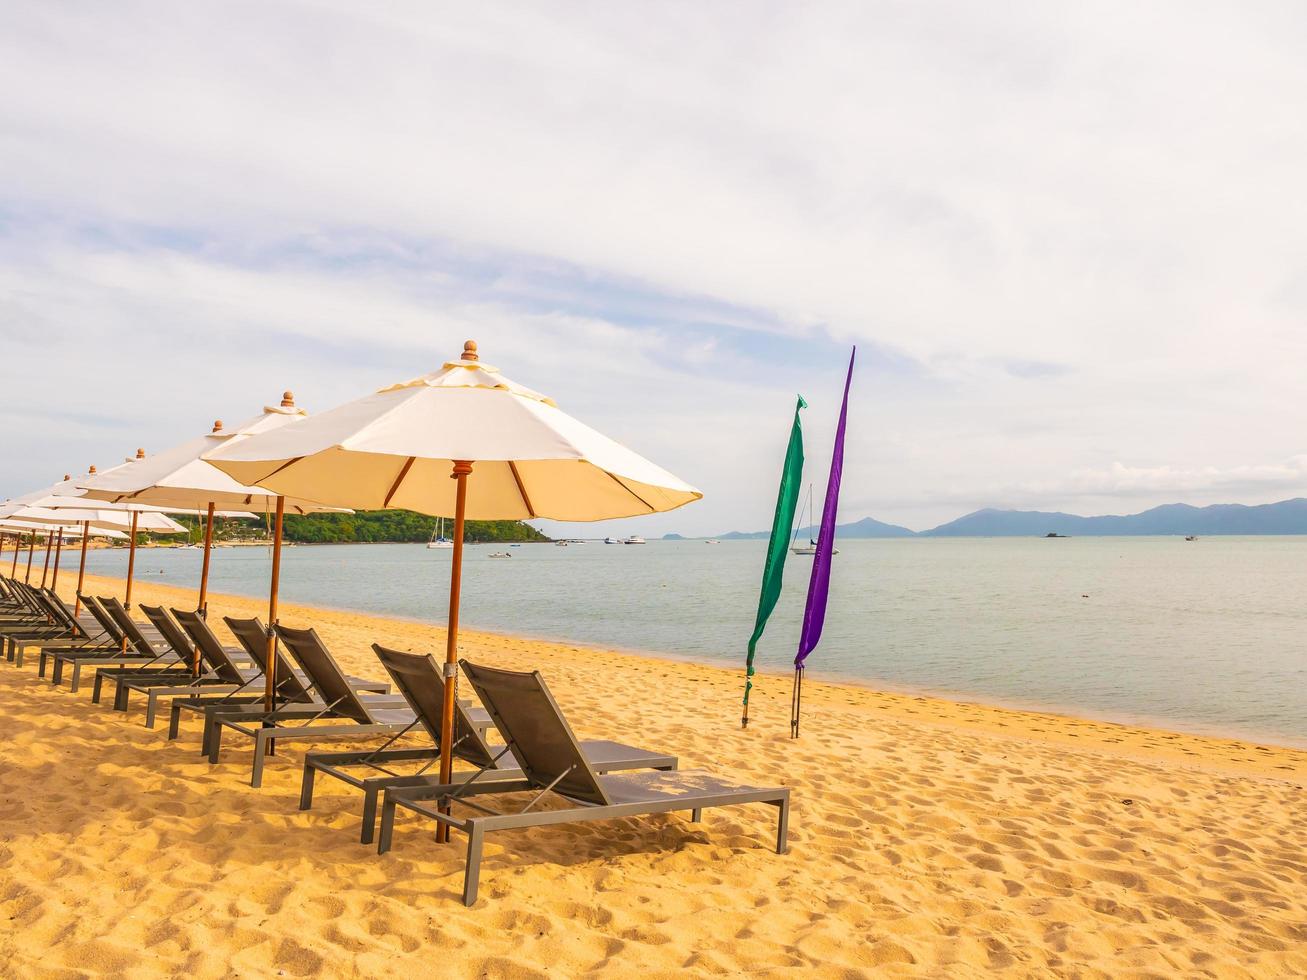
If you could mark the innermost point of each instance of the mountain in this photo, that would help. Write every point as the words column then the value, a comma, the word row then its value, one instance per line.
column 1285, row 517
column 673, row 536
column 865, row 528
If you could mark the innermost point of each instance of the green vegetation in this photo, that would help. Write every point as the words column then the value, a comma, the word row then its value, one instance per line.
column 366, row 525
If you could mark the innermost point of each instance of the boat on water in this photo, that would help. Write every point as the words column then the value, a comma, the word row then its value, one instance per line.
column 811, row 547
column 1191, row 537
column 712, row 541
column 560, row 544
column 438, row 539
column 633, row 539
column 611, row 541
column 515, row 546
column 499, row 554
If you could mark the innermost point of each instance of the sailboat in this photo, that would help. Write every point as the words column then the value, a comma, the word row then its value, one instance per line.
column 438, row 539
column 810, row 548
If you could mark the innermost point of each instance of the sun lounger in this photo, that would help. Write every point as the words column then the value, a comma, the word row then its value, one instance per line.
column 120, row 649
column 418, row 678
column 336, row 700
column 220, row 675
column 170, row 660
column 253, row 638
column 552, row 761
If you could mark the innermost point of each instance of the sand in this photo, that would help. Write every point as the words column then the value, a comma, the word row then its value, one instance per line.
column 927, row 838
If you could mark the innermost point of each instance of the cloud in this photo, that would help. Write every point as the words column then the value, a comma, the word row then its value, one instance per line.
column 1062, row 236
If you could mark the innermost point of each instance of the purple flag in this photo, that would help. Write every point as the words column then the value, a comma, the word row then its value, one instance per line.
column 814, row 615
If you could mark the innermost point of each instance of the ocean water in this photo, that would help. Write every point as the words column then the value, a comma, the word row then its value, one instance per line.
column 1205, row 636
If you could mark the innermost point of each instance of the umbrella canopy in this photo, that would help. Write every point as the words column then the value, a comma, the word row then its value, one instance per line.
column 106, row 520
column 512, row 453
column 180, row 478
column 76, row 531
column 396, row 447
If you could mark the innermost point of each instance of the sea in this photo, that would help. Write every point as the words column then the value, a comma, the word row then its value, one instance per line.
column 1206, row 636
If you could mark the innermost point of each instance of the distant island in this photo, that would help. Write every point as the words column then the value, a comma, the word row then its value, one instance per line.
column 365, row 526
column 1284, row 517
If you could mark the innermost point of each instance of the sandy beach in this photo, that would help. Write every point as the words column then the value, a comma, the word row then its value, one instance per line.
column 927, row 838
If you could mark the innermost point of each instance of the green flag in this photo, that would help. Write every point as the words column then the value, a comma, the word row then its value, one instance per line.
column 786, row 500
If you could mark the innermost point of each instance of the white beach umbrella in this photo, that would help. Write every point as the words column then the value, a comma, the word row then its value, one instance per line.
column 179, row 477
column 21, row 526
column 511, row 453
column 62, row 497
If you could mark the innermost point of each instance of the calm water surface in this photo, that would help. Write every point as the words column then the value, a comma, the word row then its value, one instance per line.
column 1202, row 636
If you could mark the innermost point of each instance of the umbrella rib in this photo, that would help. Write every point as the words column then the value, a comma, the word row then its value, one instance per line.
column 521, row 488
column 630, row 491
column 394, row 487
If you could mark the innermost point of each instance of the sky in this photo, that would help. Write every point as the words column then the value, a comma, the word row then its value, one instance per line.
column 1069, row 240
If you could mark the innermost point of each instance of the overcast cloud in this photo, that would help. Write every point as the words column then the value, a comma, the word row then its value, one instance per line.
column 1069, row 239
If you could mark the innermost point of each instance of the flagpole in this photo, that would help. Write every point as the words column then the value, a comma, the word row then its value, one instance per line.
column 814, row 613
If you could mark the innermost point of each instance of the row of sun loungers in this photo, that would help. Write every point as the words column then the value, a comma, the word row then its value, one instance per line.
column 177, row 658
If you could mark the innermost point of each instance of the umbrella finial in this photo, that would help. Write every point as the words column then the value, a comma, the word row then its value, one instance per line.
column 470, row 350
column 140, row 453
column 217, row 425
column 91, row 470
column 67, row 477
column 288, row 399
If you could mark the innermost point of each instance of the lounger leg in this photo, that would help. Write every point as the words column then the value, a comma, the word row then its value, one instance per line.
column 387, row 825
column 151, row 709
column 369, row 813
column 120, row 698
column 77, row 677
column 472, row 875
column 16, row 651
column 260, row 750
column 174, row 721
column 57, row 671
column 40, row 667
column 695, row 815
column 213, row 739
column 783, row 826
column 306, row 787
column 97, row 687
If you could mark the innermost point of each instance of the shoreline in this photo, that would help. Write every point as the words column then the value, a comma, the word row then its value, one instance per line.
column 902, row 702
column 884, row 686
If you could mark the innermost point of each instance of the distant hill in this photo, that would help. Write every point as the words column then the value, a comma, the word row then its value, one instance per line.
column 1285, row 517
column 865, row 528
column 673, row 536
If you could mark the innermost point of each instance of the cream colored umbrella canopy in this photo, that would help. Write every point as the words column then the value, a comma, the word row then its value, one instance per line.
column 396, row 448
column 512, row 453
column 179, row 477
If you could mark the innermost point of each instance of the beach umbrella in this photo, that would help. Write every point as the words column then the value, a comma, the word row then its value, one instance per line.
column 180, row 478
column 463, row 440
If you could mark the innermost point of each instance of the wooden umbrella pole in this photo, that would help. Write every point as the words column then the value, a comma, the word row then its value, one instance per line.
column 131, row 560
column 203, row 606
column 81, row 570
column 18, row 546
column 45, row 569
column 31, row 546
column 462, row 468
column 58, row 551
column 270, row 673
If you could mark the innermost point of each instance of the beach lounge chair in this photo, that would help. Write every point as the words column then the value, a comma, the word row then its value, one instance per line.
column 418, row 678
column 46, row 620
column 253, row 638
column 351, row 713
column 170, row 660
column 220, row 675
column 119, row 650
column 552, row 761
